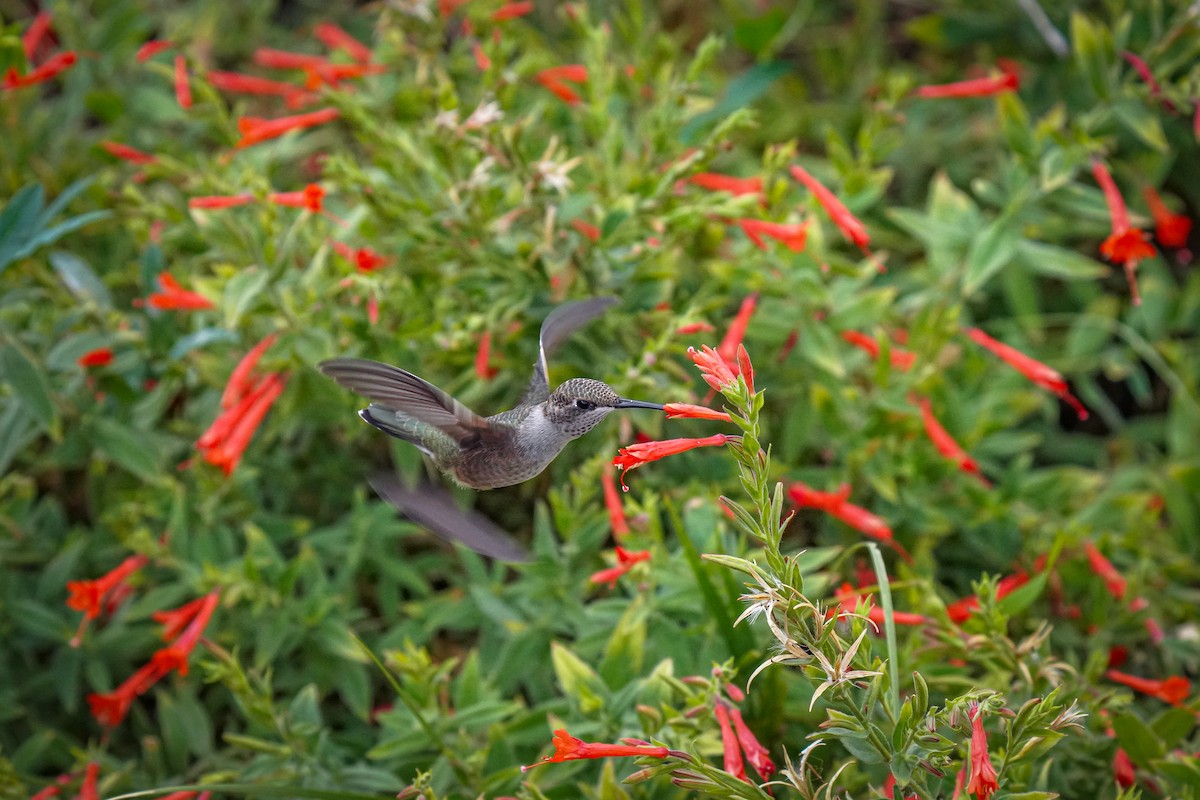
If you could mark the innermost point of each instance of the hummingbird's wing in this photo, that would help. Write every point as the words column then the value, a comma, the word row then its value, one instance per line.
column 405, row 393
column 558, row 327
column 436, row 510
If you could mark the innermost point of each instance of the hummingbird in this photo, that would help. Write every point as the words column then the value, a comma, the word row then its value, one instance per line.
column 503, row 449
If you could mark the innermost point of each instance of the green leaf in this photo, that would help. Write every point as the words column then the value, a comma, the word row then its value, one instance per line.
column 1093, row 52
column 1142, row 123
column 29, row 384
column 1138, row 739
column 18, row 220
column 17, row 429
column 241, row 292
column 127, row 448
column 1173, row 724
column 1059, row 262
column 990, row 251
column 1022, row 597
column 741, row 92
column 80, row 279
column 200, row 339
column 578, row 681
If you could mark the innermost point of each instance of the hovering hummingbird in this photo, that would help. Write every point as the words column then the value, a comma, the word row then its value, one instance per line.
column 500, row 450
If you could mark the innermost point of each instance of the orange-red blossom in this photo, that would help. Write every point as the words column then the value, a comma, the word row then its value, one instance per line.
column 846, row 222
column 91, row 596
column 1173, row 690
column 900, row 358
column 945, row 443
column 961, row 610
column 335, row 38
column 1113, row 580
column 311, row 197
column 58, row 63
column 1031, row 368
column 616, row 511
column 568, row 748
column 689, row 411
column 982, row 783
column 245, row 402
column 1171, row 229
column 642, row 453
column 556, row 78
column 363, row 258
column 100, row 357
column 793, row 236
column 127, row 153
column 258, row 129
column 239, row 83
column 716, row 182
column 1125, row 245
column 174, row 297
column 848, row 599
column 483, row 358
column 183, row 86
column 976, row 87
column 837, row 504
column 713, row 368
column 625, row 561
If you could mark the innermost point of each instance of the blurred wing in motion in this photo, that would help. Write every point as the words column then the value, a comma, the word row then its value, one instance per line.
column 558, row 327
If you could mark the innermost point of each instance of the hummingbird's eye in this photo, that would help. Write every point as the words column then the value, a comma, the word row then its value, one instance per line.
column 584, row 405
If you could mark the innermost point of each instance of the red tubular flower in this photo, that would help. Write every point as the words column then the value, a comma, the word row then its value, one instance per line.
column 482, row 61
column 327, row 74
column 568, row 748
column 848, row 599
column 1143, row 70
column 127, row 153
column 625, row 561
column 335, row 38
column 837, row 504
column 183, row 87
column 978, row 87
column 256, row 129
column 175, row 297
column 229, row 435
column 961, row 610
column 556, row 78
column 58, row 63
column 195, row 616
column 716, row 182
column 983, row 782
column 483, row 355
column 310, row 198
column 1173, row 690
column 1125, row 245
column 758, row 756
column 512, row 11
column 637, row 455
column 792, row 236
column 32, row 38
column 689, row 411
column 727, row 349
column 733, row 753
column 945, row 443
column 694, row 327
column 240, row 383
column 220, row 201
column 616, row 510
column 284, row 59
column 587, row 229
column 1170, row 229
column 363, row 258
column 110, row 708
column 846, row 222
column 713, row 368
column 1031, row 368
column 100, row 357
column 900, row 359
column 89, row 596
column 1113, row 580
column 152, row 48
column 88, row 790
column 239, row 83
column 1122, row 767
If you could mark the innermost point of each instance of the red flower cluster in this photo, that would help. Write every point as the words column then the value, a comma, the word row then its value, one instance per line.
column 105, row 593
column 736, row 739
column 31, row 42
column 981, row 781
column 556, row 79
column 310, row 197
column 792, row 236
column 568, row 748
column 1113, row 580
column 1171, row 230
column 837, row 504
column 625, row 561
column 239, row 83
column 244, row 403
column 1031, row 368
column 182, row 628
column 1125, row 245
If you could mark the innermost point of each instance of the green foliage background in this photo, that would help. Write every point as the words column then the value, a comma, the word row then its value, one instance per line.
column 983, row 210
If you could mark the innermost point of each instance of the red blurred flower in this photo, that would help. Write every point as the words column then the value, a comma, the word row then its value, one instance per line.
column 1173, row 690
column 58, row 63
column 512, row 11
column 310, row 198
column 961, row 610
column 363, row 258
column 716, row 182
column 727, row 349
column 1125, row 245
column 586, row 229
column 33, row 36
column 1171, row 229
column 56, row 788
column 756, row 754
column 1122, row 767
column 616, row 510
column 482, row 61
column 945, row 443
column 252, row 84
column 100, row 357
column 183, row 87
column 625, row 561
column 333, row 74
column 284, row 59
column 153, row 48
column 483, row 355
column 837, row 504
column 110, row 708
column 900, row 358
column 694, row 327
column 792, row 236
column 240, row 381
column 335, row 38
column 983, row 782
column 88, row 790
column 186, row 624
column 637, row 455
column 689, row 411
column 173, row 296
column 733, row 753
column 849, row 225
column 568, row 748
column 220, row 201
column 1113, row 580
column 244, row 403
column 848, row 599
column 556, row 78
column 127, row 153
column 257, row 129
column 88, row 596
column 978, row 87
column 1031, row 368
column 713, row 368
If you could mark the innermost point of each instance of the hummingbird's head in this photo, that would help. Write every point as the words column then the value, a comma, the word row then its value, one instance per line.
column 580, row 404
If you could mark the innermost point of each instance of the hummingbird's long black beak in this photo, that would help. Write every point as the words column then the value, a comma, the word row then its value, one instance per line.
column 623, row 403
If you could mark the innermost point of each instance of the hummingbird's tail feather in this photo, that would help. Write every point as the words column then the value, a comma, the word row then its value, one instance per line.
column 435, row 508
column 390, row 423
